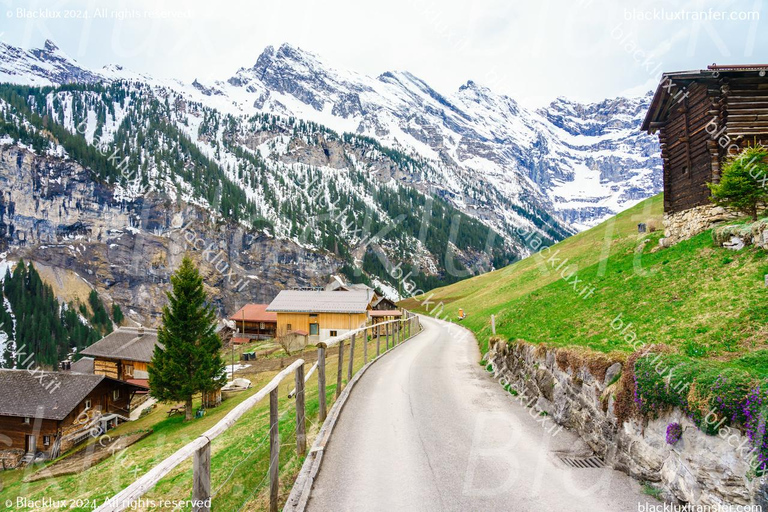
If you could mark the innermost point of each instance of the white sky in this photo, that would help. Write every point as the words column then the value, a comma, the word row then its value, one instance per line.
column 533, row 50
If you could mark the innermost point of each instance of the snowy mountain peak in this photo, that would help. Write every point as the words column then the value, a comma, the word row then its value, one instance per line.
column 577, row 162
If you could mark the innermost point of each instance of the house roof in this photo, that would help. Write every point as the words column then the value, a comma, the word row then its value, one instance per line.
column 254, row 313
column 301, row 301
column 383, row 301
column 672, row 83
column 37, row 395
column 82, row 365
column 125, row 343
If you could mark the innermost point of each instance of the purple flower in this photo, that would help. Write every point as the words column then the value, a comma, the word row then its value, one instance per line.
column 674, row 432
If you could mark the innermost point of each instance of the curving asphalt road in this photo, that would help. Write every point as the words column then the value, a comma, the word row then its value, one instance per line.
column 427, row 428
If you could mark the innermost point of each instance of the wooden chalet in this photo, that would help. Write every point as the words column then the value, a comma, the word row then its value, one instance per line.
column 384, row 310
column 124, row 354
column 321, row 313
column 253, row 321
column 703, row 116
column 43, row 421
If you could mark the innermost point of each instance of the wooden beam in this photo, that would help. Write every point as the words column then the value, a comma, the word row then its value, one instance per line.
column 351, row 365
column 274, row 451
column 201, row 479
column 301, row 433
column 340, row 369
column 321, row 383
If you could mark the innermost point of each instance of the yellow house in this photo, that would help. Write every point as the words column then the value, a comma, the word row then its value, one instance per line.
column 321, row 314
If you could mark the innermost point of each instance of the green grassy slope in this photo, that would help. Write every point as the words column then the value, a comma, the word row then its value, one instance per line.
column 704, row 302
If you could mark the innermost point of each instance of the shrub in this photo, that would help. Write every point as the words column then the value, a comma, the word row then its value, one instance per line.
column 742, row 185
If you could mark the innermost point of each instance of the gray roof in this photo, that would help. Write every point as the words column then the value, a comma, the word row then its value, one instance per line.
column 301, row 301
column 82, row 365
column 36, row 394
column 125, row 343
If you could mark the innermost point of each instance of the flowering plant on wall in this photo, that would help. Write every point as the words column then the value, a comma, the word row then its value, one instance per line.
column 674, row 432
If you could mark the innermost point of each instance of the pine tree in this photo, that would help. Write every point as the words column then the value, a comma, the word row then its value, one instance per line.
column 117, row 314
column 743, row 182
column 189, row 361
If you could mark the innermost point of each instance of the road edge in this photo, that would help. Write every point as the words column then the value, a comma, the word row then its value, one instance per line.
column 302, row 486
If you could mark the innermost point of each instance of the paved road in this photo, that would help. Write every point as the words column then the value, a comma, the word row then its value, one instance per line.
column 427, row 428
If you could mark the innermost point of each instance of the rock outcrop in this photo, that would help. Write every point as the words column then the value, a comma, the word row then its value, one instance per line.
column 53, row 212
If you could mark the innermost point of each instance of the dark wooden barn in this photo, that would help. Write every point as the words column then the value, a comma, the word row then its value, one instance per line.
column 702, row 116
column 43, row 414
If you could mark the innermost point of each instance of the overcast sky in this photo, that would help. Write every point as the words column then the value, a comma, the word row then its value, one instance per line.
column 532, row 50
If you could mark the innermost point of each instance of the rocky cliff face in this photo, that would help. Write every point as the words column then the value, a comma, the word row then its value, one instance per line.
column 698, row 470
column 53, row 212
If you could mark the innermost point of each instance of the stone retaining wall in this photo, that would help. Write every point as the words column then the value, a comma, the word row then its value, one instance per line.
column 699, row 469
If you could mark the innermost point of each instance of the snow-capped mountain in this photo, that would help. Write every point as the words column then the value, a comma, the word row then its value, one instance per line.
column 491, row 157
column 588, row 161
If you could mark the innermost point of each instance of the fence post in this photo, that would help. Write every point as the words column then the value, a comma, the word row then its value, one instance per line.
column 493, row 324
column 201, row 487
column 274, row 451
column 378, row 340
column 340, row 369
column 351, row 365
column 301, row 435
column 321, row 381
column 365, row 345
column 386, row 336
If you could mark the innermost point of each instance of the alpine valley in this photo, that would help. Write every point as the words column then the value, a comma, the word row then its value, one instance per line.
column 290, row 171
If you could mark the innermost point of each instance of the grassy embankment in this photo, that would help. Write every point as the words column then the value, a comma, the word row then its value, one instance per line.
column 703, row 307
column 240, row 457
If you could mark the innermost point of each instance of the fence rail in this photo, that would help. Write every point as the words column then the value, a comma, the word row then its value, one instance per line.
column 395, row 331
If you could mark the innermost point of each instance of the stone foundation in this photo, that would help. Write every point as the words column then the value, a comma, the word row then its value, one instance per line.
column 698, row 469
column 683, row 225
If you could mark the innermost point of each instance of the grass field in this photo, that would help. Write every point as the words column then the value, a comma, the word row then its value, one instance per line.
column 239, row 461
column 703, row 301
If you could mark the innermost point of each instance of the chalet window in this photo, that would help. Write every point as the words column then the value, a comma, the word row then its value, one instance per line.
column 46, row 440
column 88, row 403
column 261, row 325
column 313, row 315
column 334, row 333
column 26, row 421
column 314, row 329
column 115, row 394
column 288, row 326
column 128, row 370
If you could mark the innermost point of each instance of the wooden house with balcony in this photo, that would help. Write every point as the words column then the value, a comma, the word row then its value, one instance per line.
column 43, row 414
column 702, row 117
column 124, row 354
column 384, row 310
column 254, row 322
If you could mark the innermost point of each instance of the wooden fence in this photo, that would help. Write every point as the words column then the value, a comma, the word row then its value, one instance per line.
column 395, row 331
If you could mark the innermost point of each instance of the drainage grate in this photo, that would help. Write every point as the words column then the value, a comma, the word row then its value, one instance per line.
column 583, row 462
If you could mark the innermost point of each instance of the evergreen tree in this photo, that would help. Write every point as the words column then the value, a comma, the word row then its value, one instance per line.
column 117, row 314
column 743, row 182
column 189, row 361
